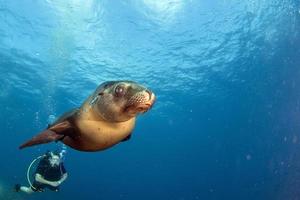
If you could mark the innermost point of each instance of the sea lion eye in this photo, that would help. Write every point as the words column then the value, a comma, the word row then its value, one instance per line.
column 120, row 90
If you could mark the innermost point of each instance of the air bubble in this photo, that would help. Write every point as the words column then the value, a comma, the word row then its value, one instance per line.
column 51, row 119
column 248, row 157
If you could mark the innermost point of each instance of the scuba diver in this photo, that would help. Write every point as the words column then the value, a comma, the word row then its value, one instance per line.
column 50, row 173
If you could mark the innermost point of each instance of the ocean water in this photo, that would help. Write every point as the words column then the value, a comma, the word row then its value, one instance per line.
column 226, row 124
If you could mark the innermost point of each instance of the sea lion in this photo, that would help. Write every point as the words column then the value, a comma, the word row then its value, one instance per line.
column 106, row 118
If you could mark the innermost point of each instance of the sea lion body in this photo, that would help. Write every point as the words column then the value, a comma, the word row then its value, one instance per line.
column 104, row 119
column 93, row 133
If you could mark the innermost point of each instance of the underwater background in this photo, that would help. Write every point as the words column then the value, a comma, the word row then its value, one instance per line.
column 226, row 123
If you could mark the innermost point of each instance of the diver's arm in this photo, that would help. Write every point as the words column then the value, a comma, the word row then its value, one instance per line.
column 40, row 178
column 63, row 178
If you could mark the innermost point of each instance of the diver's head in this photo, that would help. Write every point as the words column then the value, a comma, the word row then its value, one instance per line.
column 54, row 158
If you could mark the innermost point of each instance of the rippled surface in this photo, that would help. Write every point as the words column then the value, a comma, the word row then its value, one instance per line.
column 226, row 73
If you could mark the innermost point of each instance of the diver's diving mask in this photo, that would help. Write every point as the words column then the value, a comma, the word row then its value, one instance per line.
column 54, row 159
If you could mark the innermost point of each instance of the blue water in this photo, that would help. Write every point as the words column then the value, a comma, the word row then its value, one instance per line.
column 226, row 124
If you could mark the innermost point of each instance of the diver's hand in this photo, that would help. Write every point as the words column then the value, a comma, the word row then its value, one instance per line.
column 39, row 178
column 53, row 183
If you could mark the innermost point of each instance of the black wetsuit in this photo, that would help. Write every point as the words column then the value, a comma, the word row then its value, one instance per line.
column 49, row 173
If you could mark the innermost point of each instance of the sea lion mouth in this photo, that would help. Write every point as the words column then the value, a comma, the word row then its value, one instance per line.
column 140, row 103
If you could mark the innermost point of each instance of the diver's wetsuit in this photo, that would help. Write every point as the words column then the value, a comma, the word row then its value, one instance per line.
column 50, row 173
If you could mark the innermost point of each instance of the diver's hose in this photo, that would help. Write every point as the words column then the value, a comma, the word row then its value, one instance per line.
column 29, row 168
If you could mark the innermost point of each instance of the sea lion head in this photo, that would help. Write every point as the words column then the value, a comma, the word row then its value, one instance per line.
column 119, row 101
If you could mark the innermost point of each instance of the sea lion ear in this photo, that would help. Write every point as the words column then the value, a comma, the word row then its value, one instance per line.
column 100, row 90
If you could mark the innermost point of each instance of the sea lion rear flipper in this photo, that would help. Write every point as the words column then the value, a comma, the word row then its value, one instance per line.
column 54, row 133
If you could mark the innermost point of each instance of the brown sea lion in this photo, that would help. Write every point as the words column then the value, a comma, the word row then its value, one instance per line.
column 106, row 118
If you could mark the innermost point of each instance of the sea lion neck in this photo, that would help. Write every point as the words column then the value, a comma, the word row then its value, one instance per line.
column 88, row 113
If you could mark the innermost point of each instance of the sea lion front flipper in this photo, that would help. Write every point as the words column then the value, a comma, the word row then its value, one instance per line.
column 127, row 138
column 54, row 133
